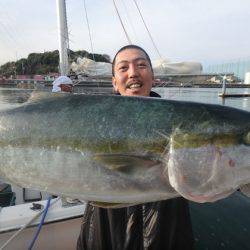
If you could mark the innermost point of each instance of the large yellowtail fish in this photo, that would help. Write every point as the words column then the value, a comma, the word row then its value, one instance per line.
column 128, row 150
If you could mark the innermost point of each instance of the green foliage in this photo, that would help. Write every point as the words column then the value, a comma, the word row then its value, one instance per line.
column 45, row 63
column 8, row 69
column 22, row 66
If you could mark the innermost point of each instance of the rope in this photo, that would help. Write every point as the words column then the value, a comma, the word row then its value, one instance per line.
column 90, row 38
column 129, row 19
column 12, row 32
column 151, row 38
column 40, row 225
column 26, row 225
column 117, row 12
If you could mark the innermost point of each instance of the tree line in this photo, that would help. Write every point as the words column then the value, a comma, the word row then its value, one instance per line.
column 45, row 63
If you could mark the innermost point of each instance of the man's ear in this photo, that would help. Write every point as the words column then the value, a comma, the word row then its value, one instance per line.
column 114, row 84
column 153, row 79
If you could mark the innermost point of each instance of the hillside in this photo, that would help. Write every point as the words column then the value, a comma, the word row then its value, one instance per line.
column 44, row 63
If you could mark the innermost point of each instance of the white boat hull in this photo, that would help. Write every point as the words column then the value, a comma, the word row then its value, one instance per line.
column 60, row 230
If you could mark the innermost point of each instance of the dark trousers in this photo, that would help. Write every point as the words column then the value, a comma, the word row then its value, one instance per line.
column 157, row 225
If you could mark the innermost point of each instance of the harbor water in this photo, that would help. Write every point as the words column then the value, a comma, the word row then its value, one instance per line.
column 224, row 224
column 207, row 95
column 11, row 97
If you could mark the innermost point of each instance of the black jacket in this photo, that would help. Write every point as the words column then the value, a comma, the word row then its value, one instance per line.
column 152, row 226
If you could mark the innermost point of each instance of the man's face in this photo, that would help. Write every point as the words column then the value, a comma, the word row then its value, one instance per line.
column 66, row 87
column 133, row 75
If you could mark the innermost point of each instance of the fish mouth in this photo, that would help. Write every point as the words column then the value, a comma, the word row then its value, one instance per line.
column 134, row 85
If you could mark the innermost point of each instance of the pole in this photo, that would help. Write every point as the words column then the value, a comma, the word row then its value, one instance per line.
column 224, row 85
column 63, row 37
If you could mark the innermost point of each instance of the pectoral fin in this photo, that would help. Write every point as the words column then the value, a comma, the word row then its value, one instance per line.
column 125, row 163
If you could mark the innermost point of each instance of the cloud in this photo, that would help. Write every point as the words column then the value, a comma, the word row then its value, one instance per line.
column 198, row 30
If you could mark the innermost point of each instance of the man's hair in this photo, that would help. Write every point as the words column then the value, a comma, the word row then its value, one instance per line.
column 131, row 46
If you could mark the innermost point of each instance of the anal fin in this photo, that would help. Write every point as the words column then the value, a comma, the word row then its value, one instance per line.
column 110, row 205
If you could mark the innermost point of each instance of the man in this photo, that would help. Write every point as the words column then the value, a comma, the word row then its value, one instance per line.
column 62, row 84
column 132, row 73
column 157, row 225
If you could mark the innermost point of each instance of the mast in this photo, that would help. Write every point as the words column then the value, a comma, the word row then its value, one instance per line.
column 63, row 37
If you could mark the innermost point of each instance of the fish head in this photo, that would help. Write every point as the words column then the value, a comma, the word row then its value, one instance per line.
column 206, row 168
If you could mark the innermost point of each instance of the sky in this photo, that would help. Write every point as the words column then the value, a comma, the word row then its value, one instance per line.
column 184, row 30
